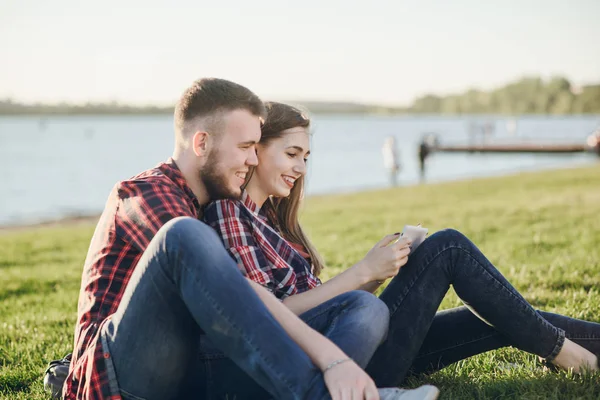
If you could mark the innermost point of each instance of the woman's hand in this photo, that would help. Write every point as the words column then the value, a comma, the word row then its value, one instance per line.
column 384, row 260
column 347, row 381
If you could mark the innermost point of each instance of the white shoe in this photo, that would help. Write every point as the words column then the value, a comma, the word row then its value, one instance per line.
column 425, row 392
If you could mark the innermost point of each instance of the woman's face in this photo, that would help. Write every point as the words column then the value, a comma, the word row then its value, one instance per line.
column 282, row 161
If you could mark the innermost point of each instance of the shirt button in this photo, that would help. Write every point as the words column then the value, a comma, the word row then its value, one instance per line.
column 106, row 355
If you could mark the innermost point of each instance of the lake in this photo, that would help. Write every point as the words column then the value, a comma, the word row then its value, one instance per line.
column 55, row 167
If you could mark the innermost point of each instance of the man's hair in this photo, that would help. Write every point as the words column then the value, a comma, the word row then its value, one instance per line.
column 210, row 98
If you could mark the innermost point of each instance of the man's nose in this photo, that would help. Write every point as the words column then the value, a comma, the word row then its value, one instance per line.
column 252, row 159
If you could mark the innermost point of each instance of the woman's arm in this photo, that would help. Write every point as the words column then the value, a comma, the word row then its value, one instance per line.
column 350, row 279
column 371, row 287
column 321, row 350
column 381, row 262
column 345, row 377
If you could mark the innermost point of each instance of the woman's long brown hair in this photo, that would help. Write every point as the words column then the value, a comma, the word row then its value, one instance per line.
column 282, row 212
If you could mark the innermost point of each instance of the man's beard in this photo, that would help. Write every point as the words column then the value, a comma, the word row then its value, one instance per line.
column 215, row 181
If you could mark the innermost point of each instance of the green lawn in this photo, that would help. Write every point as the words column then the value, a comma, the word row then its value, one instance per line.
column 542, row 230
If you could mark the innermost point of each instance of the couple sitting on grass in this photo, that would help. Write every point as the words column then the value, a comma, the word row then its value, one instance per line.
column 200, row 283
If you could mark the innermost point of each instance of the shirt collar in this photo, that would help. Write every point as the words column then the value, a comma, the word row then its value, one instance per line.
column 172, row 171
column 253, row 207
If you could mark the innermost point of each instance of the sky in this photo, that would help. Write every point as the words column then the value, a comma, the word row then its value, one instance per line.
column 371, row 51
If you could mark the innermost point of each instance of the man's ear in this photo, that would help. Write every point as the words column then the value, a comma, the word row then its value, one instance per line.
column 200, row 143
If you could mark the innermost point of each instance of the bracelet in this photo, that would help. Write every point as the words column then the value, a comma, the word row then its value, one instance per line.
column 336, row 362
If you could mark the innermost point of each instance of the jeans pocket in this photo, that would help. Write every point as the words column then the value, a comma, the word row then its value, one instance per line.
column 128, row 396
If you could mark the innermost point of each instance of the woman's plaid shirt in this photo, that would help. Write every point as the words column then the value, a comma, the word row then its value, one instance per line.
column 135, row 210
column 260, row 251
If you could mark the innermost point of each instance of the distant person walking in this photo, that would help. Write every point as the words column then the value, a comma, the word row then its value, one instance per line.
column 391, row 160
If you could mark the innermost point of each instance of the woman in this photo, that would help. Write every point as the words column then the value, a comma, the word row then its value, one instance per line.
column 263, row 234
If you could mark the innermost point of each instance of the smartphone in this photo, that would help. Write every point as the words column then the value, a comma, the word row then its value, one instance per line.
column 416, row 234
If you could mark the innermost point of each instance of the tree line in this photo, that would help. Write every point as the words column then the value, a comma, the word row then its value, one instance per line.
column 529, row 95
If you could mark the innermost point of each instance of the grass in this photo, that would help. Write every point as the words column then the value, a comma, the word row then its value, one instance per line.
column 542, row 230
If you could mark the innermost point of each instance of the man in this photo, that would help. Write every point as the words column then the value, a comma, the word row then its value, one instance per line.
column 156, row 280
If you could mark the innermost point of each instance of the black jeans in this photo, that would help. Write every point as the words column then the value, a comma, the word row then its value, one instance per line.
column 422, row 340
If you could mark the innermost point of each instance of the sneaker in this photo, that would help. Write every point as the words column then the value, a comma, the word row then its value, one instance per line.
column 425, row 392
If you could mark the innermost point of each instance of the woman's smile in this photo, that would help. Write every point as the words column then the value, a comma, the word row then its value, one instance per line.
column 289, row 180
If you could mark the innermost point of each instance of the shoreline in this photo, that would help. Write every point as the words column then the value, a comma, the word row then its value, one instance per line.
column 88, row 219
column 59, row 222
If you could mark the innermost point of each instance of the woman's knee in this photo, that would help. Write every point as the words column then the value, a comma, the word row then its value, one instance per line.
column 449, row 236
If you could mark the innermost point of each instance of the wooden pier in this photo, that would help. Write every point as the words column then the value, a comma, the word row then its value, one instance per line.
column 430, row 144
column 514, row 148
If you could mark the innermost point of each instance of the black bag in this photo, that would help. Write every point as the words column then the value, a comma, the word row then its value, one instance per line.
column 55, row 375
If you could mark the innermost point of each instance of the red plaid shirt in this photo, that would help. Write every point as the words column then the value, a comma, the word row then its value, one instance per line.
column 260, row 251
column 134, row 212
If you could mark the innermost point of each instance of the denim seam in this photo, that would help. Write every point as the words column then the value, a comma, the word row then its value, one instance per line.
column 326, row 396
column 180, row 261
column 249, row 341
column 210, row 382
column 326, row 310
column 396, row 305
column 455, row 346
column 558, row 346
column 337, row 317
column 210, row 357
column 113, row 382
column 559, row 332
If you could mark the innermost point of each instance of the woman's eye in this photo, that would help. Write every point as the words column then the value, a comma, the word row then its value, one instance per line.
column 291, row 155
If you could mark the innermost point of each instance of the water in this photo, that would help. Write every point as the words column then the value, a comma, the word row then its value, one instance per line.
column 65, row 166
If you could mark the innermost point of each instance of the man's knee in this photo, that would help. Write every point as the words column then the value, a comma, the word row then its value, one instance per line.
column 185, row 230
column 188, row 237
column 181, row 226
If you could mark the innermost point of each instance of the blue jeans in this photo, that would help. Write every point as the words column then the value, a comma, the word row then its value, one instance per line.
column 187, row 295
column 422, row 340
column 351, row 320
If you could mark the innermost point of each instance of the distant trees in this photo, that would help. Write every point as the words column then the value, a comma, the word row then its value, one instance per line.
column 8, row 107
column 530, row 95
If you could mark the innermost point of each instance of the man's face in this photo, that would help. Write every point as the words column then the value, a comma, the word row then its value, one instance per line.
column 231, row 155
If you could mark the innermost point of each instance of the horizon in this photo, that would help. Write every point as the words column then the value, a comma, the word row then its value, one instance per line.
column 292, row 100
column 374, row 54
